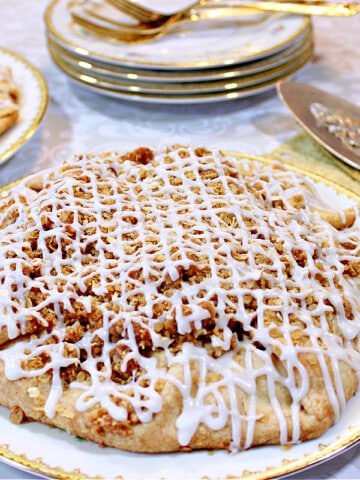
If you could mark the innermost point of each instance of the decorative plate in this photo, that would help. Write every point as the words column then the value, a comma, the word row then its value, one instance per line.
column 229, row 43
column 165, row 78
column 247, row 86
column 181, row 89
column 54, row 453
column 33, row 102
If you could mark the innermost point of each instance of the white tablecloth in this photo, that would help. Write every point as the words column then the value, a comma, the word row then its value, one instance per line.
column 78, row 121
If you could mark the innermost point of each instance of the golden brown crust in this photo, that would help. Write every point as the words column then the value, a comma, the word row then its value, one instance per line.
column 28, row 397
column 339, row 220
column 8, row 118
column 9, row 98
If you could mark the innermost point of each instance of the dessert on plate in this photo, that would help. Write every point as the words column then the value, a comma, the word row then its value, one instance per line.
column 179, row 293
column 9, row 97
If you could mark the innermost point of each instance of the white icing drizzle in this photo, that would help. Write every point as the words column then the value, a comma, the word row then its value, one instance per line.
column 181, row 248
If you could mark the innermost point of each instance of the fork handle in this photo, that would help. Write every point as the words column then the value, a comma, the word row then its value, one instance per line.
column 304, row 8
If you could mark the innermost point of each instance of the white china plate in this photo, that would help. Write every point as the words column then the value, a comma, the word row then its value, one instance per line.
column 231, row 91
column 32, row 102
column 180, row 89
column 189, row 47
column 168, row 78
column 54, row 453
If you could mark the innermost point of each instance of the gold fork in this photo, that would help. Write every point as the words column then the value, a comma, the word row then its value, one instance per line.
column 146, row 15
column 144, row 32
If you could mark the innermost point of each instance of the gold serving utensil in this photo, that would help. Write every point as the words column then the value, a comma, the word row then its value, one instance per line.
column 146, row 15
column 225, row 10
column 345, row 9
column 330, row 120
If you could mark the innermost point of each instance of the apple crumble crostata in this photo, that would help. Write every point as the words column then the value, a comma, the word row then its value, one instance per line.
column 177, row 294
column 9, row 96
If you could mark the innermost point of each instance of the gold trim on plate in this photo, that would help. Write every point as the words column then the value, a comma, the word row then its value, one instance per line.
column 38, row 114
column 182, row 90
column 134, row 92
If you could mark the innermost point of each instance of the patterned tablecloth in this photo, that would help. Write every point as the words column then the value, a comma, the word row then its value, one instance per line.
column 77, row 121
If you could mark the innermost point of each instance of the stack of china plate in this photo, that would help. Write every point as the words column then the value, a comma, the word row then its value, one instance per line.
column 207, row 62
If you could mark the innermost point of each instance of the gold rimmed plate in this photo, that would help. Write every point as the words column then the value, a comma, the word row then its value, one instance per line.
column 187, row 48
column 227, row 92
column 165, row 77
column 33, row 101
column 181, row 89
column 54, row 453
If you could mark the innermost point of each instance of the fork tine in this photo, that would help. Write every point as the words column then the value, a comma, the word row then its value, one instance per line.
column 131, row 8
column 105, row 19
column 123, row 34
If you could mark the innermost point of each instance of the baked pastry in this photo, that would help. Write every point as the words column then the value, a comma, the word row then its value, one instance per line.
column 177, row 293
column 9, row 97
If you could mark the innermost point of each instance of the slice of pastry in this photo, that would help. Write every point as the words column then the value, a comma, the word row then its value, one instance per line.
column 9, row 97
column 178, row 294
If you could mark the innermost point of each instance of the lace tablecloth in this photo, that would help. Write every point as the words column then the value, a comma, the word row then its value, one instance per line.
column 77, row 121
